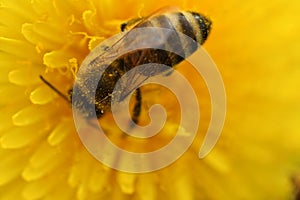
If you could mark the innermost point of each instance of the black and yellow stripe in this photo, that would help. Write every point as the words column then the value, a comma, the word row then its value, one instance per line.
column 192, row 24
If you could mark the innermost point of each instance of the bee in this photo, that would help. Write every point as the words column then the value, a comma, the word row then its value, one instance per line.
column 192, row 24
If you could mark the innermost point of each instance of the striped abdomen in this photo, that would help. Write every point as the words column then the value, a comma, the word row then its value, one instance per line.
column 191, row 24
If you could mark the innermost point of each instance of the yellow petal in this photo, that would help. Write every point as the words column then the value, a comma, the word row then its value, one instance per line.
column 99, row 178
column 6, row 122
column 18, row 48
column 8, row 61
column 4, row 74
column 6, row 116
column 39, row 188
column 9, row 192
column 42, row 33
column 75, row 175
column 10, row 94
column 82, row 192
column 25, row 76
column 57, row 59
column 7, row 11
column 62, row 191
column 10, row 166
column 61, row 131
column 18, row 137
column 127, row 182
column 42, row 95
column 43, row 154
column 43, row 161
column 31, row 173
column 80, row 170
column 147, row 187
column 182, row 188
column 217, row 161
column 9, row 32
column 32, row 114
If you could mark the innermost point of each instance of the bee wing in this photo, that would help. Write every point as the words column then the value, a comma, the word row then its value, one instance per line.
column 128, row 85
column 132, row 81
column 113, row 48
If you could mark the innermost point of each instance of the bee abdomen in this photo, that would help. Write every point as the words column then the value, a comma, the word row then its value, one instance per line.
column 175, row 42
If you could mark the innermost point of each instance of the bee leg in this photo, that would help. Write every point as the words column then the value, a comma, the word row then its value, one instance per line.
column 130, row 23
column 137, row 106
column 123, row 26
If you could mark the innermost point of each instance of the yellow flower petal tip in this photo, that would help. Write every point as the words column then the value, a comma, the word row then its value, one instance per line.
column 24, row 76
column 127, row 182
column 42, row 95
column 61, row 131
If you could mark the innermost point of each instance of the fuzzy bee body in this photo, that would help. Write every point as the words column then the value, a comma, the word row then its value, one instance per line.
column 191, row 24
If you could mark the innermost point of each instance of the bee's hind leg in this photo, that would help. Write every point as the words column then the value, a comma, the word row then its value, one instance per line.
column 136, row 111
column 137, row 105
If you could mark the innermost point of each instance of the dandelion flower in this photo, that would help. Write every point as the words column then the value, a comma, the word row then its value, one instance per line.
column 255, row 45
